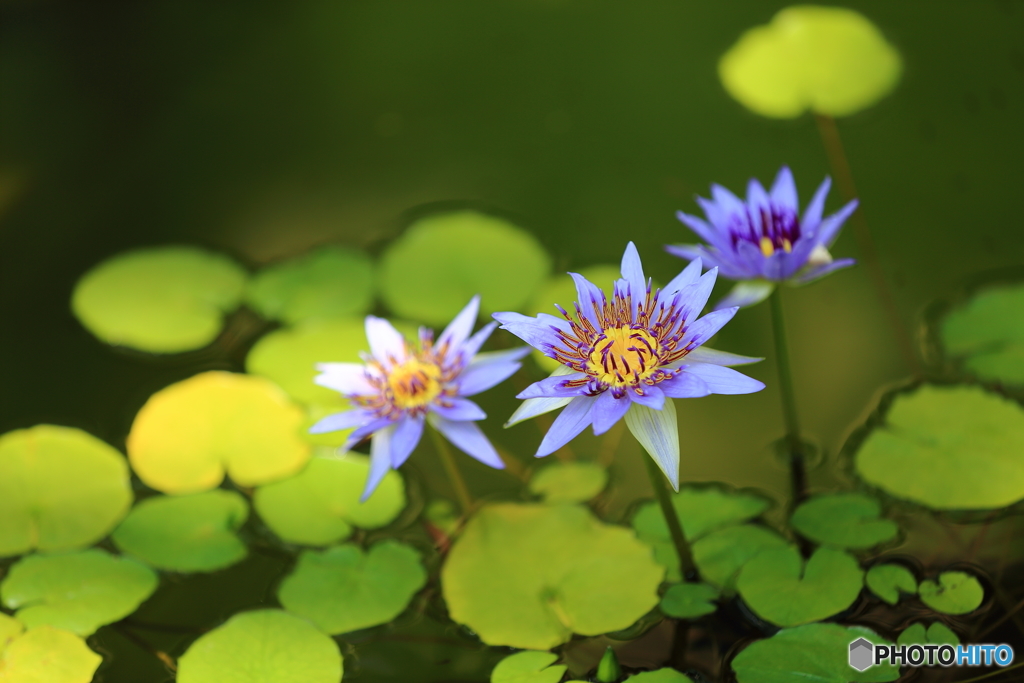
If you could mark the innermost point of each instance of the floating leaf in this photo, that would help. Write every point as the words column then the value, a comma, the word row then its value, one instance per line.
column 265, row 646
column 937, row 634
column 689, row 600
column 163, row 300
column 779, row 588
column 830, row 60
column 194, row 533
column 48, row 655
column 189, row 433
column 442, row 261
column 10, row 628
column 530, row 576
column 887, row 580
column 660, row 676
column 955, row 593
column 318, row 505
column 721, row 554
column 78, row 592
column 955, row 448
column 569, row 482
column 328, row 282
column 988, row 334
column 529, row 666
column 60, row 489
column 843, row 520
column 344, row 589
column 815, row 652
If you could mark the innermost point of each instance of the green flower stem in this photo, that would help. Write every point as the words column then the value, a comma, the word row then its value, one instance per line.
column 458, row 483
column 661, row 490
column 794, row 444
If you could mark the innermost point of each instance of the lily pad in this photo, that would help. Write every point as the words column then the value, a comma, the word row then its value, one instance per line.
column 689, row 600
column 660, row 676
column 954, row 593
column 320, row 504
column 78, row 592
column 936, row 634
column 779, row 588
column 60, row 489
column 188, row 434
column 948, row 447
column 530, row 576
column 328, row 282
column 829, row 60
column 344, row 589
column 443, row 260
column 10, row 628
column 529, row 666
column 162, row 300
column 843, row 520
column 290, row 650
column 814, row 652
column 888, row 580
column 988, row 334
column 194, row 533
column 721, row 554
column 569, row 482
column 48, row 655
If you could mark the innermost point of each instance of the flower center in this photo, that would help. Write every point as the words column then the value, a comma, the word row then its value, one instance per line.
column 414, row 383
column 623, row 356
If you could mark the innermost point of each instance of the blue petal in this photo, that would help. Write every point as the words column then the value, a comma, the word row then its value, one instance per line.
column 746, row 294
column 406, row 435
column 812, row 214
column 468, row 438
column 607, row 411
column 386, row 343
column 347, row 378
column 536, row 332
column 553, row 387
column 725, row 207
column 569, row 423
column 783, row 193
column 695, row 297
column 684, row 385
column 823, row 270
column 380, row 460
column 461, row 325
column 470, row 347
column 829, row 229
column 708, row 326
column 589, row 297
column 338, row 421
column 653, row 397
column 715, row 357
column 356, row 437
column 658, row 432
column 633, row 271
column 532, row 407
column 687, row 276
column 488, row 369
column 722, row 380
column 757, row 204
column 700, row 227
column 458, row 410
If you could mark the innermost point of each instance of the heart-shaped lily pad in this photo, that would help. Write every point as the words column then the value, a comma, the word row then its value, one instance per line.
column 689, row 600
column 163, row 300
column 936, row 634
column 188, row 434
column 48, row 655
column 328, row 282
column 888, row 580
column 320, row 504
column 530, row 576
column 953, row 593
column 344, row 589
column 720, row 555
column 78, row 592
column 987, row 333
column 265, row 646
column 843, row 520
column 830, row 60
column 569, row 482
column 953, row 448
column 529, row 666
column 194, row 533
column 60, row 489
column 814, row 652
column 779, row 588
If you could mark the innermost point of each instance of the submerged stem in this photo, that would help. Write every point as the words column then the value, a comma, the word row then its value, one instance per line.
column 794, row 443
column 668, row 511
column 458, row 483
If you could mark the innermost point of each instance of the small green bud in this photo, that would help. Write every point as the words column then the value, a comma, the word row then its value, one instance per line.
column 608, row 670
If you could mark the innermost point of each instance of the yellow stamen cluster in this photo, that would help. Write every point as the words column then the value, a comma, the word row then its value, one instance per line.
column 414, row 383
column 768, row 247
column 624, row 357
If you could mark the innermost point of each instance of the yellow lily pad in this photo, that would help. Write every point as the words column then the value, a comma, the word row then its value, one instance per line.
column 48, row 655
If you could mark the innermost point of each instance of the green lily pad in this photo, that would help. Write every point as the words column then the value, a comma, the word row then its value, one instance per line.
column 888, row 580
column 162, row 300
column 60, row 489
column 530, row 576
column 569, row 482
column 936, row 634
column 951, row 448
column 779, row 588
column 188, row 434
column 720, row 555
column 830, row 60
column 10, row 628
column 320, row 504
column 344, row 589
column 194, row 533
column 328, row 282
column 954, row 593
column 529, row 666
column 289, row 649
column 432, row 271
column 78, row 592
column 814, row 652
column 843, row 520
column 689, row 600
column 660, row 676
column 987, row 333
column 48, row 655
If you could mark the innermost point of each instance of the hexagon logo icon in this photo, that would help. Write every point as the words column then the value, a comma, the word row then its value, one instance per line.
column 861, row 654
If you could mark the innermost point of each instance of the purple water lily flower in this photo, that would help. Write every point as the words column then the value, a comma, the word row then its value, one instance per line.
column 627, row 356
column 764, row 240
column 400, row 386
